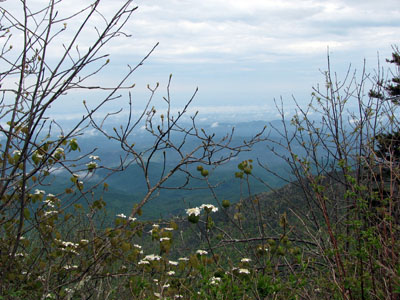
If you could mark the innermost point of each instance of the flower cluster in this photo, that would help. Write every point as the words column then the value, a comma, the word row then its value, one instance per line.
column 39, row 192
column 68, row 246
column 241, row 271
column 70, row 267
column 209, row 208
column 50, row 212
column 197, row 210
column 152, row 257
column 201, row 252
column 91, row 166
column 125, row 217
column 49, row 203
column 194, row 213
column 183, row 259
column 215, row 280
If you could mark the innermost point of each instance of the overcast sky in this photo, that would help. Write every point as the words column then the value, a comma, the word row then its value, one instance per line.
column 243, row 54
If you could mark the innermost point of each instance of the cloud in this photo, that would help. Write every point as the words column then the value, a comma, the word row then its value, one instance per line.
column 221, row 30
column 235, row 50
column 218, row 31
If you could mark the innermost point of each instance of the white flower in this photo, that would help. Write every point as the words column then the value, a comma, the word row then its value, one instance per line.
column 164, row 239
column 69, row 267
column 39, row 192
column 193, row 211
column 94, row 157
column 132, row 219
column 157, row 295
column 178, row 297
column 173, row 263
column 49, row 203
column 183, row 259
column 143, row 262
column 69, row 250
column 245, row 260
column 50, row 212
column 152, row 257
column 244, row 271
column 69, row 291
column 17, row 152
column 155, row 228
column 137, row 246
column 215, row 280
column 201, row 252
column 92, row 165
column 50, row 195
column 170, row 273
column 168, row 229
column 209, row 208
column 70, row 244
column 165, row 286
column 59, row 150
column 84, row 241
column 121, row 216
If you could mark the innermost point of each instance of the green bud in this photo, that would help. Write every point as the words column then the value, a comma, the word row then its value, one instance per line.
column 193, row 219
column 204, row 172
column 226, row 203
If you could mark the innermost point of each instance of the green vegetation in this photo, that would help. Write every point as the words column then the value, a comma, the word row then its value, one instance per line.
column 332, row 232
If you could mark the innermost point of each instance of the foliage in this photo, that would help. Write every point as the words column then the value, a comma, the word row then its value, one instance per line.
column 61, row 245
column 350, row 188
column 332, row 232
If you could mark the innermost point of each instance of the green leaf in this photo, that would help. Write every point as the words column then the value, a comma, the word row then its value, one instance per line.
column 27, row 213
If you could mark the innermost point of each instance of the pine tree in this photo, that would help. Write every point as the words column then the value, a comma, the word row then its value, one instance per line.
column 388, row 144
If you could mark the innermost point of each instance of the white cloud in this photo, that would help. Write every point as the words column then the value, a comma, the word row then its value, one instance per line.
column 212, row 30
column 224, row 30
column 229, row 37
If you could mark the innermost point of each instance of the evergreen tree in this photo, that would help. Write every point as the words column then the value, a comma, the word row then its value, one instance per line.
column 388, row 144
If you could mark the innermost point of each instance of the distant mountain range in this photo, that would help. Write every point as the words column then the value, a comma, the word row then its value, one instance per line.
column 128, row 187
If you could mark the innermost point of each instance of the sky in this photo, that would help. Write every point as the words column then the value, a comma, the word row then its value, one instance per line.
column 240, row 54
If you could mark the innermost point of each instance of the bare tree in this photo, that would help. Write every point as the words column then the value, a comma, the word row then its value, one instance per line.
column 350, row 191
column 50, row 245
